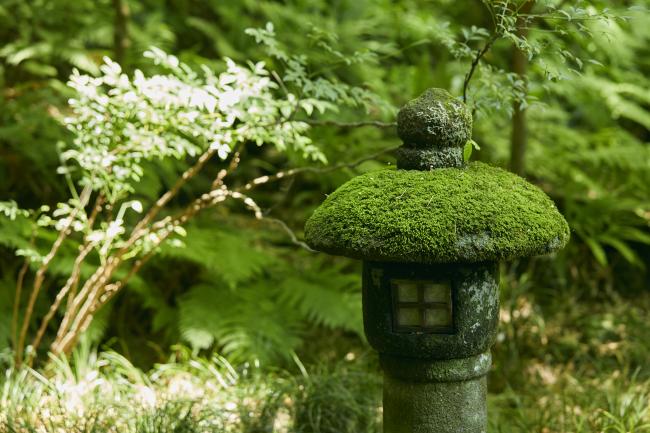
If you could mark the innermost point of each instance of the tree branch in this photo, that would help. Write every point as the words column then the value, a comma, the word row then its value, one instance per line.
column 18, row 294
column 375, row 123
column 295, row 171
column 74, row 277
column 167, row 196
column 292, row 235
column 40, row 273
column 234, row 162
column 97, row 208
column 74, row 305
column 89, row 292
column 479, row 54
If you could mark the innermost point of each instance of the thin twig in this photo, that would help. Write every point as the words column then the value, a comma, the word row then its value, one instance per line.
column 18, row 293
column 295, row 171
column 101, row 299
column 477, row 58
column 249, row 202
column 292, row 235
column 40, row 273
column 74, row 276
column 234, row 162
column 97, row 208
column 89, row 292
column 375, row 123
column 280, row 82
column 72, row 309
column 167, row 196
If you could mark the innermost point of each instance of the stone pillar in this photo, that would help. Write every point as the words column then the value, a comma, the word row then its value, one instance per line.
column 434, row 380
column 446, row 396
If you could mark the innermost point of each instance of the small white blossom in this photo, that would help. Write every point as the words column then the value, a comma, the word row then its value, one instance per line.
column 136, row 206
column 115, row 229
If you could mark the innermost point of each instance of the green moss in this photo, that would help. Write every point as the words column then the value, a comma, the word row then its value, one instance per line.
column 472, row 214
column 435, row 119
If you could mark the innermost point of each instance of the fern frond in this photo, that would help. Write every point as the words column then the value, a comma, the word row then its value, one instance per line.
column 228, row 255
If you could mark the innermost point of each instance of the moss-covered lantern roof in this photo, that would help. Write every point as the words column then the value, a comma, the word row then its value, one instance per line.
column 435, row 208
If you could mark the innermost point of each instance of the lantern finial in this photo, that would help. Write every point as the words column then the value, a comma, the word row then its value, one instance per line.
column 434, row 128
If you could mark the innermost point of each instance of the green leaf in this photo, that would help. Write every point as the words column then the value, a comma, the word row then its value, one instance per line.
column 622, row 248
column 467, row 151
column 597, row 250
column 29, row 52
column 40, row 69
column 469, row 147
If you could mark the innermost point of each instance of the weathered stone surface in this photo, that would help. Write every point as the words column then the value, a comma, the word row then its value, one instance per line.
column 427, row 159
column 472, row 214
column 435, row 407
column 445, row 370
column 475, row 305
column 434, row 120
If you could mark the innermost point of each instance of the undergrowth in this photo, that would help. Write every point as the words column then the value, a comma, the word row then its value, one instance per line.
column 104, row 392
column 564, row 361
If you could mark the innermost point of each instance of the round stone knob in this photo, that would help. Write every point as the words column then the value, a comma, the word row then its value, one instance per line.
column 434, row 128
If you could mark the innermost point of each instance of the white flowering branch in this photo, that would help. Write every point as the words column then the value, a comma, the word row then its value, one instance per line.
column 120, row 122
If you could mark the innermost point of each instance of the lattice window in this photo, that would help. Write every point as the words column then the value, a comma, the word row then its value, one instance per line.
column 422, row 306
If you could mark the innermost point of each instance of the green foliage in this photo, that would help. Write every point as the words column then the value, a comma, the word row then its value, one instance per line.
column 587, row 113
column 563, row 361
column 253, row 306
column 569, row 362
column 106, row 393
column 15, row 232
column 587, row 136
column 323, row 93
column 476, row 213
column 337, row 401
column 121, row 124
column 226, row 255
column 175, row 115
column 40, row 42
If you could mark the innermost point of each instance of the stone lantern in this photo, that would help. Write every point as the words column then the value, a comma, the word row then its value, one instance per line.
column 430, row 234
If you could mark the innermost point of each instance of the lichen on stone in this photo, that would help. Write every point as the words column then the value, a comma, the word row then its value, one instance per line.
column 472, row 214
column 426, row 159
column 434, row 120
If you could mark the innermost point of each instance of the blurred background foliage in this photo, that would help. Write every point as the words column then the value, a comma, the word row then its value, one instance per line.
column 574, row 332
